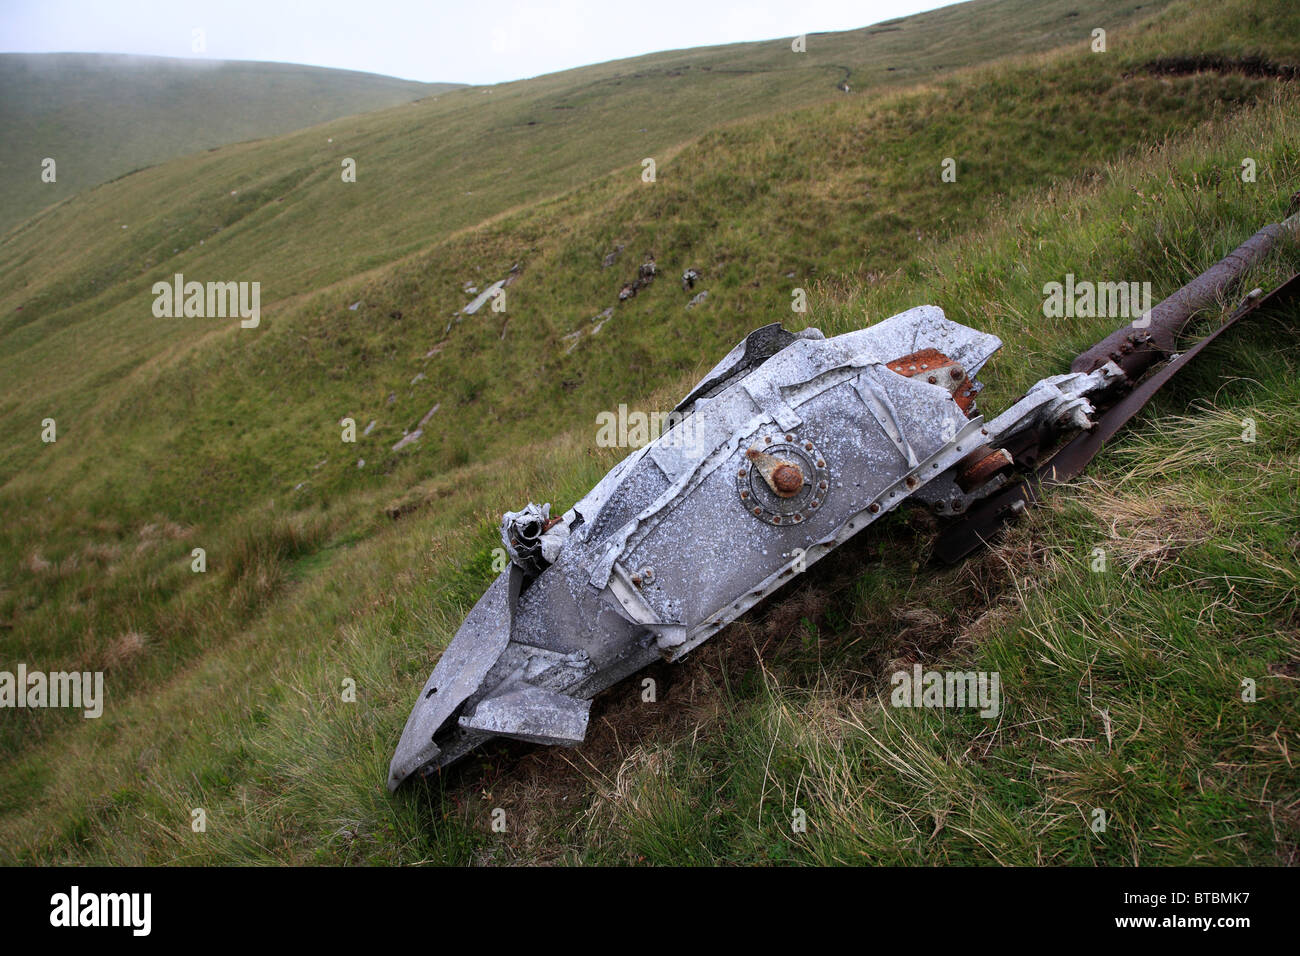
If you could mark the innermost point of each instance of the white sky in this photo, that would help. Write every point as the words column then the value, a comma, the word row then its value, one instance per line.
column 430, row 40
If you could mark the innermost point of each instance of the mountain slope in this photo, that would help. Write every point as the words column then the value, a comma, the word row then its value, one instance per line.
column 100, row 116
column 333, row 561
column 452, row 161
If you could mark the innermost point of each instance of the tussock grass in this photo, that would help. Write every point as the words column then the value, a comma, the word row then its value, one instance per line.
column 1122, row 688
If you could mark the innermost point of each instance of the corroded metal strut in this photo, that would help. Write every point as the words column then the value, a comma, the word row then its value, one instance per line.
column 983, row 521
column 1135, row 347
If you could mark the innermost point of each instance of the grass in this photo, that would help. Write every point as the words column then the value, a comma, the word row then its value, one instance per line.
column 104, row 116
column 1122, row 688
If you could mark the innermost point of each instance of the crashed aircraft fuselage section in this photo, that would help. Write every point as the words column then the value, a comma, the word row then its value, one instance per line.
column 791, row 445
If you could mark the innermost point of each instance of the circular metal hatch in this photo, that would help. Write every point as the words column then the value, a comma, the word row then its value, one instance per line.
column 758, row 497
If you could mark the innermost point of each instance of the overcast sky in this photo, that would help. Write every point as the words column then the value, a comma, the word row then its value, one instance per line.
column 468, row 41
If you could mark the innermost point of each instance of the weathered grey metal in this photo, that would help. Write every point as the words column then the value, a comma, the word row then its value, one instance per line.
column 792, row 444
column 460, row 672
column 1136, row 347
column 1059, row 402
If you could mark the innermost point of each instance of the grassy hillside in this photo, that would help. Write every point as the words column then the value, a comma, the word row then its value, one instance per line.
column 175, row 434
column 453, row 161
column 100, row 116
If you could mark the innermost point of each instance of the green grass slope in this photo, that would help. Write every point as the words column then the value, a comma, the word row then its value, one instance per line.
column 226, row 687
column 452, row 161
column 100, row 116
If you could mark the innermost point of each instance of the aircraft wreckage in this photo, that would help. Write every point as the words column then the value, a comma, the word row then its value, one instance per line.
column 791, row 445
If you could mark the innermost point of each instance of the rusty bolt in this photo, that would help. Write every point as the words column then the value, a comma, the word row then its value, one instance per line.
column 784, row 477
column 787, row 480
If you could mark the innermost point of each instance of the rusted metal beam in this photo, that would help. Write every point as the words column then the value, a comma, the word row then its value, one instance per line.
column 983, row 521
column 1136, row 349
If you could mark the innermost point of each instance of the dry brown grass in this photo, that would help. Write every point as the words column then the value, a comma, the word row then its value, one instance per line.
column 101, row 553
column 158, row 531
column 1150, row 530
column 124, row 650
column 36, row 564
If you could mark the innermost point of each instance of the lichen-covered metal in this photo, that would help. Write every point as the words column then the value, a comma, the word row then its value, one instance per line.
column 791, row 445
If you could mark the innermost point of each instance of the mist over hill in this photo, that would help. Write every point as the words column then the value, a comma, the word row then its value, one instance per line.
column 101, row 115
